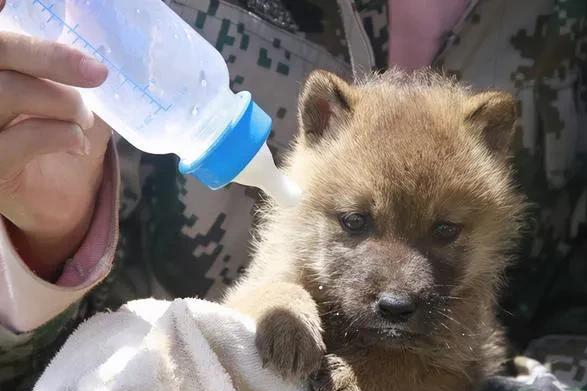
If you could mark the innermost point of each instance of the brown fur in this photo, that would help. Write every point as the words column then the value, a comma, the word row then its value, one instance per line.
column 410, row 151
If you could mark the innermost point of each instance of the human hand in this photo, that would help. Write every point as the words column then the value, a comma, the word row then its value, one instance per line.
column 51, row 148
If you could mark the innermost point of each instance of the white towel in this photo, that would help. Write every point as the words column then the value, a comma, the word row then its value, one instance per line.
column 153, row 345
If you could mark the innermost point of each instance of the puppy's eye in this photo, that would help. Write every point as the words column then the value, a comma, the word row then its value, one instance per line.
column 354, row 222
column 446, row 232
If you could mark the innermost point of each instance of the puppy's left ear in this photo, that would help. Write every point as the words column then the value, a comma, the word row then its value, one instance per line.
column 493, row 115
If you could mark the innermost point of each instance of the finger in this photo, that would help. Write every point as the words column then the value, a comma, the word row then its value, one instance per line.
column 23, row 94
column 2, row 3
column 50, row 60
column 28, row 139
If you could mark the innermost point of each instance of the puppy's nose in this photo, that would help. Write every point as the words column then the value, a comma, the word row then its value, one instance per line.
column 396, row 308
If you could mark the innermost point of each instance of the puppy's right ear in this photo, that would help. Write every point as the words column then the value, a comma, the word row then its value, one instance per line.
column 493, row 115
column 325, row 102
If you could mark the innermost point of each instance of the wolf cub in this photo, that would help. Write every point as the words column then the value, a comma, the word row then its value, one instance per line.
column 384, row 276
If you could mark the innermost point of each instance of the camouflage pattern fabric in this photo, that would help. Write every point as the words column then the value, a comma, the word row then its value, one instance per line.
column 564, row 358
column 179, row 239
column 534, row 376
column 537, row 49
column 24, row 356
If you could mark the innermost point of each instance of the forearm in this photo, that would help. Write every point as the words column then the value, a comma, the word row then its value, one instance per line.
column 26, row 300
column 46, row 251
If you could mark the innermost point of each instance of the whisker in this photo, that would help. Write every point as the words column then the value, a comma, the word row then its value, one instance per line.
column 454, row 320
column 454, row 297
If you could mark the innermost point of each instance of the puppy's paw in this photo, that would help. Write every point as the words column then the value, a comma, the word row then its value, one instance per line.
column 290, row 343
column 334, row 375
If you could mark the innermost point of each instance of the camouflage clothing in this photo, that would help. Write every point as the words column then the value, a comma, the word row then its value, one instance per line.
column 537, row 49
column 178, row 239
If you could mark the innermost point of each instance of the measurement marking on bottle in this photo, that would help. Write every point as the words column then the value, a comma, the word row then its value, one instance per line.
column 96, row 52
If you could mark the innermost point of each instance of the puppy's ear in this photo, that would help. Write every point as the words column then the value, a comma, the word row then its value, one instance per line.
column 326, row 101
column 493, row 115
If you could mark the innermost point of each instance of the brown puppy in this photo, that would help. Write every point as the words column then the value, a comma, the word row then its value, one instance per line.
column 391, row 261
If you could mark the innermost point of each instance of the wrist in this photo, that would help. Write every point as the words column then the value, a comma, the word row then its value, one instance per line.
column 46, row 249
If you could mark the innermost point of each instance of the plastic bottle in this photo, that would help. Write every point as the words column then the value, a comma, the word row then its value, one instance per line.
column 167, row 90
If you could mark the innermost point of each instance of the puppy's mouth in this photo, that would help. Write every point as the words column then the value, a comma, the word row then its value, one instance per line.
column 388, row 336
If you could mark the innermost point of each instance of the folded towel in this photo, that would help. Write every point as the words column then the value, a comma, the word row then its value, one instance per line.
column 153, row 345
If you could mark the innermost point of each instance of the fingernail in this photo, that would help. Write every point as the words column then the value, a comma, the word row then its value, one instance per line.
column 93, row 70
column 88, row 118
column 84, row 150
column 86, row 146
column 83, row 147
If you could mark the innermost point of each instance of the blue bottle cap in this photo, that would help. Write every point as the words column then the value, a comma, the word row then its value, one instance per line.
column 234, row 149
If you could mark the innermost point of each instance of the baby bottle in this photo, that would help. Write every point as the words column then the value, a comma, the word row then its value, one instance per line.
column 167, row 89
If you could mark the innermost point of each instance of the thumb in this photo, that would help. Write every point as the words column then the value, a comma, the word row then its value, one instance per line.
column 24, row 141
